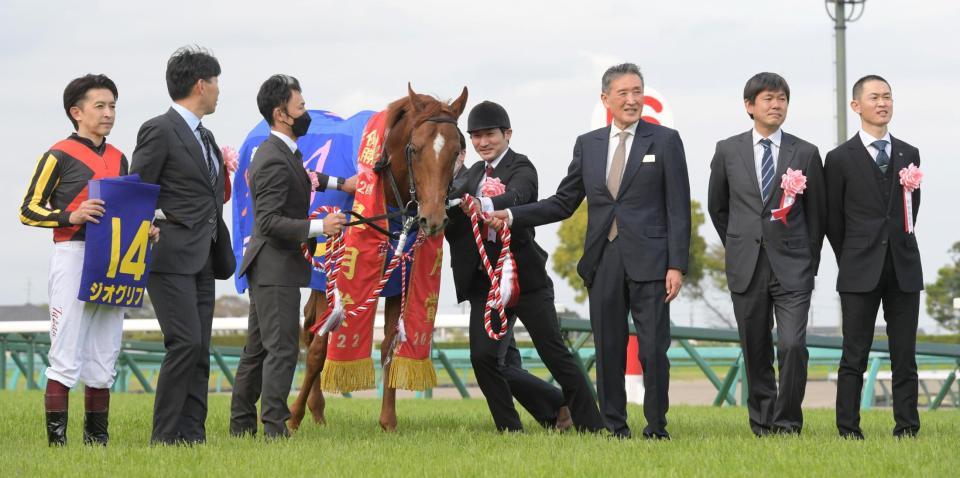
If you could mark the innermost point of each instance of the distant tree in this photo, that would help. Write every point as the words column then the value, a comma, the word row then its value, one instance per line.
column 941, row 293
column 706, row 260
column 231, row 306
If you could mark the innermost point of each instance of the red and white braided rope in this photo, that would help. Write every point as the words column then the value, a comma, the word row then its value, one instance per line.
column 332, row 258
column 494, row 298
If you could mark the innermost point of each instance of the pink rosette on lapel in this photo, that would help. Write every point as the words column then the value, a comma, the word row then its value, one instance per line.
column 910, row 177
column 492, row 187
column 231, row 158
column 793, row 183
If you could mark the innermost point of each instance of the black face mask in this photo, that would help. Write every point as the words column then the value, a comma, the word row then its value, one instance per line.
column 301, row 124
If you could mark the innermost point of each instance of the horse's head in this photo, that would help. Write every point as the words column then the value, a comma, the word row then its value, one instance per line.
column 424, row 143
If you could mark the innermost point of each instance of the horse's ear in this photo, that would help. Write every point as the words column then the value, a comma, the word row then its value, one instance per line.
column 460, row 103
column 415, row 101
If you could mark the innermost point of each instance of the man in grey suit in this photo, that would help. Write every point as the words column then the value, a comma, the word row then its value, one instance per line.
column 175, row 151
column 633, row 175
column 771, row 263
column 273, row 262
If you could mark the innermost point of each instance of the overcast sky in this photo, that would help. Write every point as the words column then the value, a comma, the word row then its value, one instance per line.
column 541, row 60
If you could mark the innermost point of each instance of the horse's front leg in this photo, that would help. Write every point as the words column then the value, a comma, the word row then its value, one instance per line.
column 310, row 394
column 388, row 408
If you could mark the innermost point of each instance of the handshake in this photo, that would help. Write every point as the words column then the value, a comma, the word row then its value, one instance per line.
column 494, row 219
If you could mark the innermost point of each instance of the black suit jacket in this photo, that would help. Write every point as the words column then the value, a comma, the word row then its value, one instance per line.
column 280, row 191
column 520, row 178
column 743, row 221
column 863, row 220
column 652, row 208
column 168, row 154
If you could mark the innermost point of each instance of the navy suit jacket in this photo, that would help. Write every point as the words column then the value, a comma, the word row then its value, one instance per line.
column 652, row 208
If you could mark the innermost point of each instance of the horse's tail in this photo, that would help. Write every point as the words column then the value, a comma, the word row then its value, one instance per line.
column 310, row 314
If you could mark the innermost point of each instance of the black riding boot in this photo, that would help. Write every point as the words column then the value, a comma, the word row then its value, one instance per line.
column 57, row 428
column 97, row 404
column 95, row 428
column 55, row 404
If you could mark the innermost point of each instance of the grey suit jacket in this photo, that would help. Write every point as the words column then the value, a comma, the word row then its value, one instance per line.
column 169, row 155
column 280, row 191
column 743, row 221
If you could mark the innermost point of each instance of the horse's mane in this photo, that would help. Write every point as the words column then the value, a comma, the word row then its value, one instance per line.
column 401, row 108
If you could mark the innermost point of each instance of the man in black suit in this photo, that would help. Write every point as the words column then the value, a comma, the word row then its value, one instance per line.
column 273, row 262
column 497, row 367
column 770, row 264
column 175, row 151
column 877, row 255
column 634, row 177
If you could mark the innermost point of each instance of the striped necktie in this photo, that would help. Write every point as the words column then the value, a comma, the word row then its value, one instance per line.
column 882, row 159
column 766, row 169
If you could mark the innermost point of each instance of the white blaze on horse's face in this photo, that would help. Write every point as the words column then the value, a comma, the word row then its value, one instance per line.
column 438, row 143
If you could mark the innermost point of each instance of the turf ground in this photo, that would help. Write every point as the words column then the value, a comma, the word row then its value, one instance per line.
column 456, row 438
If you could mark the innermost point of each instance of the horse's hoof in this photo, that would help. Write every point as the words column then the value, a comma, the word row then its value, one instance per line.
column 293, row 425
column 319, row 419
column 388, row 426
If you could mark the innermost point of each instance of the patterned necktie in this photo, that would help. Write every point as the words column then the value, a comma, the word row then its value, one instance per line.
column 766, row 169
column 616, row 175
column 882, row 159
column 208, row 154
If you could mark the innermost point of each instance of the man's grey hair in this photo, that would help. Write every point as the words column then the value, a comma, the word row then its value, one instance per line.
column 617, row 71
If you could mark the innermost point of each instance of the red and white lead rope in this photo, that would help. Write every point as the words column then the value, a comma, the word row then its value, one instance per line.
column 494, row 298
column 332, row 258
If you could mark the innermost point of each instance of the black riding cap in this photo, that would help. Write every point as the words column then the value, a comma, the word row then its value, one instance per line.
column 487, row 115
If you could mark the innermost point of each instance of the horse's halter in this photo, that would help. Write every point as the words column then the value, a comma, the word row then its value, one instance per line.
column 410, row 208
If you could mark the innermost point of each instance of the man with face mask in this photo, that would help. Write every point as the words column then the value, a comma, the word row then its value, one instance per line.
column 273, row 263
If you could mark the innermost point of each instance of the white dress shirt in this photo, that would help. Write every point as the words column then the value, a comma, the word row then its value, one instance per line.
column 775, row 139
column 192, row 122
column 486, row 204
column 615, row 141
column 868, row 142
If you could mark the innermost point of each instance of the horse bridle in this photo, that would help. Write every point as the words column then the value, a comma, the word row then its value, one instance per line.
column 409, row 209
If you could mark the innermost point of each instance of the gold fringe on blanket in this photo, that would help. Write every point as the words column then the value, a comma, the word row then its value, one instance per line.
column 412, row 374
column 348, row 376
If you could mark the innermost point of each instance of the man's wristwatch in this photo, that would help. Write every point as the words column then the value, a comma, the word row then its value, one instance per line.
column 340, row 182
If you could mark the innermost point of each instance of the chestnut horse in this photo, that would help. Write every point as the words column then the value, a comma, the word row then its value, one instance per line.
column 421, row 133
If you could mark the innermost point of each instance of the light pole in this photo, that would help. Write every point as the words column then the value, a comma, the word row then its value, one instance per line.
column 841, row 16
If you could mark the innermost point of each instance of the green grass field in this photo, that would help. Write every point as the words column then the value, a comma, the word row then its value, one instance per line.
column 456, row 438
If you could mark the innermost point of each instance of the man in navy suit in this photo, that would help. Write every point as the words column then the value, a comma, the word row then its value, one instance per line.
column 634, row 177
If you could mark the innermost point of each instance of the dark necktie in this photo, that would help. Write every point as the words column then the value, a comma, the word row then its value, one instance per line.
column 882, row 159
column 489, row 171
column 486, row 229
column 766, row 169
column 208, row 154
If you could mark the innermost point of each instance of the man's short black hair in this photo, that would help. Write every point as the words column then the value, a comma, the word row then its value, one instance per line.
column 77, row 90
column 858, row 86
column 187, row 65
column 275, row 92
column 764, row 81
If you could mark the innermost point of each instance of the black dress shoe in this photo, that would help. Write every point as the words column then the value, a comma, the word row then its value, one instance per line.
column 906, row 434
column 657, row 436
column 852, row 436
column 95, row 428
column 621, row 435
column 57, row 428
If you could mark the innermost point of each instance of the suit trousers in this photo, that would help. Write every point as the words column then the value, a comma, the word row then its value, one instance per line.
column 184, row 306
column 541, row 399
column 538, row 313
column 769, row 410
column 901, row 311
column 612, row 295
column 269, row 360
